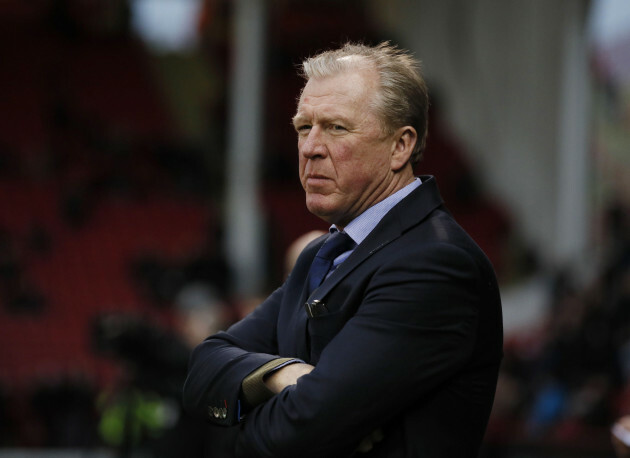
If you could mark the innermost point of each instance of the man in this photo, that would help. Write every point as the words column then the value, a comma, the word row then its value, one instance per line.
column 396, row 352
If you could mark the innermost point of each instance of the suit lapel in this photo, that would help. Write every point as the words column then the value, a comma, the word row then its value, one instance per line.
column 300, row 317
column 359, row 255
column 412, row 210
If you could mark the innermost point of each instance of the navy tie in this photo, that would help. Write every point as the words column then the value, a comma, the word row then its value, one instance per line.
column 337, row 243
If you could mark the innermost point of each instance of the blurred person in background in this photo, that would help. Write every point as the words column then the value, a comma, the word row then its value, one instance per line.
column 296, row 247
column 391, row 346
column 621, row 437
column 144, row 411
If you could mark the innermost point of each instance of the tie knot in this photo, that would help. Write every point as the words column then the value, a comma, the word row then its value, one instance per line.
column 334, row 245
column 337, row 243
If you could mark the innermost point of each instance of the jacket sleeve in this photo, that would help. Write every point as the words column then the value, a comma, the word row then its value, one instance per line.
column 219, row 364
column 415, row 328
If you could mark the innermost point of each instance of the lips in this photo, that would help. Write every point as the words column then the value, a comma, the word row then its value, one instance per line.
column 316, row 181
column 316, row 176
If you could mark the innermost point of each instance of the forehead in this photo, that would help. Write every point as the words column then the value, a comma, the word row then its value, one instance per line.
column 351, row 89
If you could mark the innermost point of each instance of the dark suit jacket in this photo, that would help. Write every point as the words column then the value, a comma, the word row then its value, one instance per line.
column 411, row 343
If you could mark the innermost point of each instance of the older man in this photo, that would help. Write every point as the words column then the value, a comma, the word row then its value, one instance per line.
column 386, row 338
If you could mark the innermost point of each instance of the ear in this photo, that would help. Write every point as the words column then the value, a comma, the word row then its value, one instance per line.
column 404, row 142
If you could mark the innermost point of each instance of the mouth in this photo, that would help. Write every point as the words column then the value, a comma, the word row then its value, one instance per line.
column 315, row 180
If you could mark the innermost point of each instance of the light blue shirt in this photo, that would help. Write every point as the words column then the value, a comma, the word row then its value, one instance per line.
column 360, row 227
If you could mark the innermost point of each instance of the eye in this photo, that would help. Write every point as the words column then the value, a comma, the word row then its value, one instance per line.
column 303, row 128
column 338, row 128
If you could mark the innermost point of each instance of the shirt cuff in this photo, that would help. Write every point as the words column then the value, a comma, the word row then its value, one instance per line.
column 254, row 390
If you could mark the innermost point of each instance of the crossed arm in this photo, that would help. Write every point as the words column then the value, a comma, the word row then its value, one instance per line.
column 288, row 375
column 363, row 375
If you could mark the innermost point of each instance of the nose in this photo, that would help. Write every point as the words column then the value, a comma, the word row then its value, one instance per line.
column 313, row 144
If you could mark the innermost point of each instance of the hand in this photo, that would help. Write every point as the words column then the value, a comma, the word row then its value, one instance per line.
column 368, row 442
column 286, row 376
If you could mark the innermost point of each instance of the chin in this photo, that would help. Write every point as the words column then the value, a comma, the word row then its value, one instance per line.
column 318, row 206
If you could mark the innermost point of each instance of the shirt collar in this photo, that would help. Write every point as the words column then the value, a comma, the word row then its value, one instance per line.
column 361, row 226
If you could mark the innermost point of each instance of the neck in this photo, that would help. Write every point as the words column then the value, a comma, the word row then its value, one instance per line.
column 402, row 178
column 398, row 182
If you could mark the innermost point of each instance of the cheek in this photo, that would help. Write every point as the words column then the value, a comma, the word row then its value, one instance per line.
column 362, row 171
column 301, row 164
column 352, row 164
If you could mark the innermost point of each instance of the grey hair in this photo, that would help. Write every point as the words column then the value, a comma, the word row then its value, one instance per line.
column 402, row 98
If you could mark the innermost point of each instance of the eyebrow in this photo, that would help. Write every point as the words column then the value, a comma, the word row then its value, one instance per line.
column 334, row 117
column 297, row 119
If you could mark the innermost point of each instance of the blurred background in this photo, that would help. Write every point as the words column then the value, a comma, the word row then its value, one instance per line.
column 149, row 196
